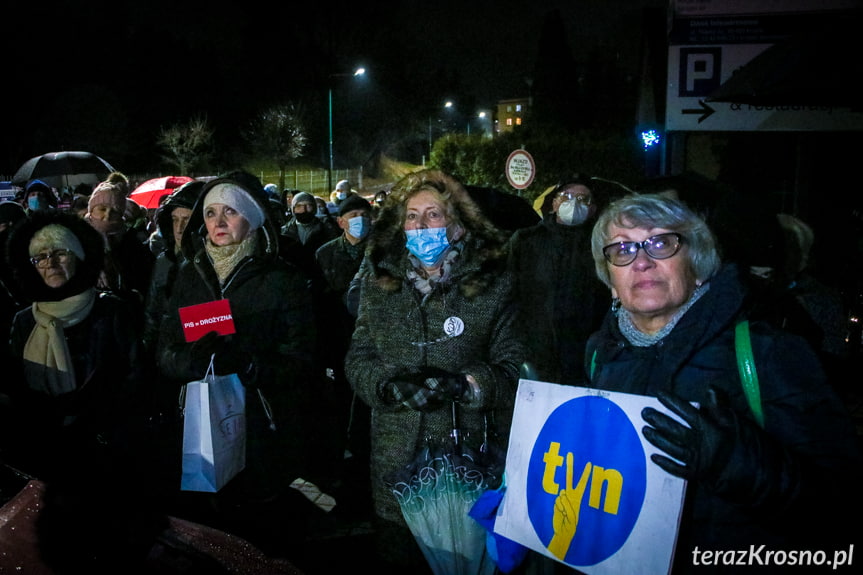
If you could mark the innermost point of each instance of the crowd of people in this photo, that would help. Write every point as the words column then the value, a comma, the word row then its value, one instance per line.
column 363, row 329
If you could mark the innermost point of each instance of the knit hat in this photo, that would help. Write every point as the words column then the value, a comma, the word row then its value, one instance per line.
column 304, row 197
column 236, row 197
column 343, row 186
column 108, row 194
column 56, row 237
column 355, row 202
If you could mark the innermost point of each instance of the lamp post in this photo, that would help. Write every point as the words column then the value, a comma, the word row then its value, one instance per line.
column 447, row 105
column 357, row 72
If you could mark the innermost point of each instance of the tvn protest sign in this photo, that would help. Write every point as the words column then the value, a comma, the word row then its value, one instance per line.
column 581, row 488
column 198, row 320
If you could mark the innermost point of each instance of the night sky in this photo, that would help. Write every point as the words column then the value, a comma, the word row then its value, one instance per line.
column 154, row 63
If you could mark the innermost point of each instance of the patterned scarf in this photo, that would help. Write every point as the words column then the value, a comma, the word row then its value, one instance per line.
column 641, row 339
column 46, row 351
column 419, row 278
column 226, row 258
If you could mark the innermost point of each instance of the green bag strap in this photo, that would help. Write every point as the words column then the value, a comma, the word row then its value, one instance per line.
column 746, row 368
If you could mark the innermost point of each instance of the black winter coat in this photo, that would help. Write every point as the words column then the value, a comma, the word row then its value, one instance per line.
column 84, row 425
column 560, row 299
column 808, row 458
column 270, row 303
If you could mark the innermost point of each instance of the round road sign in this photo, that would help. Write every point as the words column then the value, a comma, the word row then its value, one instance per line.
column 520, row 169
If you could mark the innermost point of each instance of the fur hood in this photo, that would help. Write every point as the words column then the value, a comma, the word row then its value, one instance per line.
column 196, row 231
column 26, row 275
column 483, row 242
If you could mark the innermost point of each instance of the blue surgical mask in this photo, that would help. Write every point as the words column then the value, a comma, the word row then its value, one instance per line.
column 427, row 244
column 358, row 227
column 34, row 203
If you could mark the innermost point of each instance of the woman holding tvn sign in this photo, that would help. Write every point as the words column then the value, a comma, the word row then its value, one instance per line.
column 435, row 326
column 254, row 313
column 781, row 471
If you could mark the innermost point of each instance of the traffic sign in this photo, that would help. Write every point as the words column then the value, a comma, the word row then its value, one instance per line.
column 694, row 72
column 520, row 169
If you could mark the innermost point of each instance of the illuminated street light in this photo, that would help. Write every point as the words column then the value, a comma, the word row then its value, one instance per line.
column 447, row 105
column 357, row 72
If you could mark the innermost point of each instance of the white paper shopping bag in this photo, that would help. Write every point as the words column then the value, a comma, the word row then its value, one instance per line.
column 214, row 432
column 581, row 488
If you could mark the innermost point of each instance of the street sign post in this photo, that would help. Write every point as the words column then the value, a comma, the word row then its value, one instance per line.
column 520, row 169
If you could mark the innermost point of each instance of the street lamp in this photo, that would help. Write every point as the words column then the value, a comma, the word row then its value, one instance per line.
column 447, row 105
column 357, row 72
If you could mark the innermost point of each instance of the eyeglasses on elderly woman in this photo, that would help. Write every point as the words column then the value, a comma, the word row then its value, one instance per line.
column 43, row 260
column 658, row 247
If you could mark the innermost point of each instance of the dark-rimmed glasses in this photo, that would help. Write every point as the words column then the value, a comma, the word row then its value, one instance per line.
column 44, row 260
column 659, row 247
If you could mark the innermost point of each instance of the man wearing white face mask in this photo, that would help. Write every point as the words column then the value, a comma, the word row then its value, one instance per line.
column 561, row 300
column 338, row 261
column 342, row 192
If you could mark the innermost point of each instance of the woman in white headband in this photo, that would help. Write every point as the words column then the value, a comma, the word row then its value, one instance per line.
column 231, row 250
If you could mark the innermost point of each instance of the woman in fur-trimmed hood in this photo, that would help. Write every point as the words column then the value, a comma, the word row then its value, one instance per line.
column 74, row 350
column 435, row 326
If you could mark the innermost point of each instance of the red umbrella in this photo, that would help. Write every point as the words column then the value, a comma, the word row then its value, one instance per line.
column 151, row 192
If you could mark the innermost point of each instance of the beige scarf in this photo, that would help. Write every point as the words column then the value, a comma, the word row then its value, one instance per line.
column 226, row 258
column 47, row 346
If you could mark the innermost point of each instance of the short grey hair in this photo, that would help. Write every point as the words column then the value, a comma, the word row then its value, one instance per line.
column 658, row 210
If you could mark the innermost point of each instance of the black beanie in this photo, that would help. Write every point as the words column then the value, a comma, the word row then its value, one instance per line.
column 354, row 202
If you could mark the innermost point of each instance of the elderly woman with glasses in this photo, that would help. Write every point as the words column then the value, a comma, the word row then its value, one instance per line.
column 779, row 482
column 76, row 352
column 70, row 394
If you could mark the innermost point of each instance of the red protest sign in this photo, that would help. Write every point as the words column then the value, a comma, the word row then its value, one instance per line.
column 203, row 318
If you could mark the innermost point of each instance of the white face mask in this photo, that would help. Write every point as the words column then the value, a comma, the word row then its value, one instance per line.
column 572, row 212
column 341, row 195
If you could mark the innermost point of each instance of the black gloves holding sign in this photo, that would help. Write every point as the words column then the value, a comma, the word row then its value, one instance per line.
column 726, row 453
column 427, row 390
column 228, row 357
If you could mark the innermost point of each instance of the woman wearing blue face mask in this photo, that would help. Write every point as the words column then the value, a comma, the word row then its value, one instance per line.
column 435, row 328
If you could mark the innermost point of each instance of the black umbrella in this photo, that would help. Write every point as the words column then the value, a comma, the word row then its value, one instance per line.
column 506, row 211
column 63, row 169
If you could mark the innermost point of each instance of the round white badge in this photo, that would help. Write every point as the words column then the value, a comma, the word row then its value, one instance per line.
column 453, row 326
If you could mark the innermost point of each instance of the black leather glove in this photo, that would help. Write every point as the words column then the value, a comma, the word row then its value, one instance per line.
column 704, row 447
column 202, row 350
column 232, row 359
column 728, row 454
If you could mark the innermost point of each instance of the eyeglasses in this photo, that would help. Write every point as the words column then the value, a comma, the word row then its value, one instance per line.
column 570, row 195
column 659, row 247
column 43, row 260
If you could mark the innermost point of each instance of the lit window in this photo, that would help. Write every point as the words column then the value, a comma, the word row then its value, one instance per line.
column 509, row 121
column 518, row 107
column 509, row 108
column 518, row 121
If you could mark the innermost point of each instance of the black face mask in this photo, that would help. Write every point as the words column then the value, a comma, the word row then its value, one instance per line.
column 305, row 217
